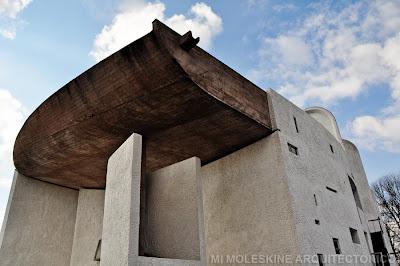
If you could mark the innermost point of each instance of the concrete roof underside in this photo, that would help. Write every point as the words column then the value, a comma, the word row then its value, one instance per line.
column 183, row 101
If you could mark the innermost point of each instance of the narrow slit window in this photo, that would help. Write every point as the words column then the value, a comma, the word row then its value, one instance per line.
column 97, row 254
column 315, row 200
column 293, row 149
column 354, row 236
column 331, row 148
column 320, row 259
column 331, row 189
column 355, row 193
column 295, row 124
column 336, row 245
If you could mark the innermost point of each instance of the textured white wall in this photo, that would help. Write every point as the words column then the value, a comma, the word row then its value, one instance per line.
column 311, row 171
column 247, row 206
column 88, row 227
column 39, row 224
column 173, row 207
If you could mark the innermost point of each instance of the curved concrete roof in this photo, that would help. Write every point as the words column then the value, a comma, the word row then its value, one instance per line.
column 182, row 100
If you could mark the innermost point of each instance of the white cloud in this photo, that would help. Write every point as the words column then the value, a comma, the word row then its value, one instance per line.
column 9, row 10
column 135, row 19
column 9, row 33
column 337, row 54
column 12, row 116
column 284, row 7
column 377, row 133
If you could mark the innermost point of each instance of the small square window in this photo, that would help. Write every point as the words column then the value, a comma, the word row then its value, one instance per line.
column 336, row 245
column 293, row 149
column 354, row 236
column 316, row 221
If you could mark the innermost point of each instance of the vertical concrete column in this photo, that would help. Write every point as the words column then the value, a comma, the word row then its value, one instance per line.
column 120, row 242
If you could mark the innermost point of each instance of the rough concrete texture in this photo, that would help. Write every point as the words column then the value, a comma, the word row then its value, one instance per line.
column 39, row 223
column 148, row 261
column 120, row 238
column 370, row 208
column 247, row 205
column 314, row 169
column 88, row 227
column 172, row 209
column 325, row 118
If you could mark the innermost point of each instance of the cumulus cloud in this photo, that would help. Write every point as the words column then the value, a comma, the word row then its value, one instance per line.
column 12, row 116
column 382, row 133
column 339, row 53
column 331, row 49
column 135, row 19
column 9, row 10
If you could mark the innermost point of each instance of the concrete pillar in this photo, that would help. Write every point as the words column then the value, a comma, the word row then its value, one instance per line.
column 120, row 242
column 39, row 223
column 88, row 227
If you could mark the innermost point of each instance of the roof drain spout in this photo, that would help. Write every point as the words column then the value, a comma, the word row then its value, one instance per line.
column 187, row 41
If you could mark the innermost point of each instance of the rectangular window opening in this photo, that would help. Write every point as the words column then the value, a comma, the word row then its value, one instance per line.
column 293, row 149
column 320, row 259
column 354, row 236
column 336, row 245
column 331, row 189
column 295, row 124
column 331, row 148
column 316, row 221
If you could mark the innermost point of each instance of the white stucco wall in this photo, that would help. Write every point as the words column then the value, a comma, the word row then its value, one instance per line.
column 310, row 172
column 173, row 206
column 39, row 224
column 88, row 227
column 247, row 205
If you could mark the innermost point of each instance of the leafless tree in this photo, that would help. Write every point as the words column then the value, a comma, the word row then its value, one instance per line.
column 387, row 194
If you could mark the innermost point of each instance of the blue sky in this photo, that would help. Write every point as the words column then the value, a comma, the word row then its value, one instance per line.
column 342, row 55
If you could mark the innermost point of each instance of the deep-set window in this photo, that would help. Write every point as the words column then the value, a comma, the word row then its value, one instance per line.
column 355, row 193
column 320, row 259
column 331, row 189
column 293, row 149
column 354, row 235
column 336, row 245
column 295, row 124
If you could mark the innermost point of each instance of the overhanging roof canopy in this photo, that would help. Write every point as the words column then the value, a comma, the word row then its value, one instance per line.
column 181, row 99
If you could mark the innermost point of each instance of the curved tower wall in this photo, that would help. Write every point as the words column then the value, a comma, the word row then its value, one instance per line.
column 320, row 175
column 325, row 118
